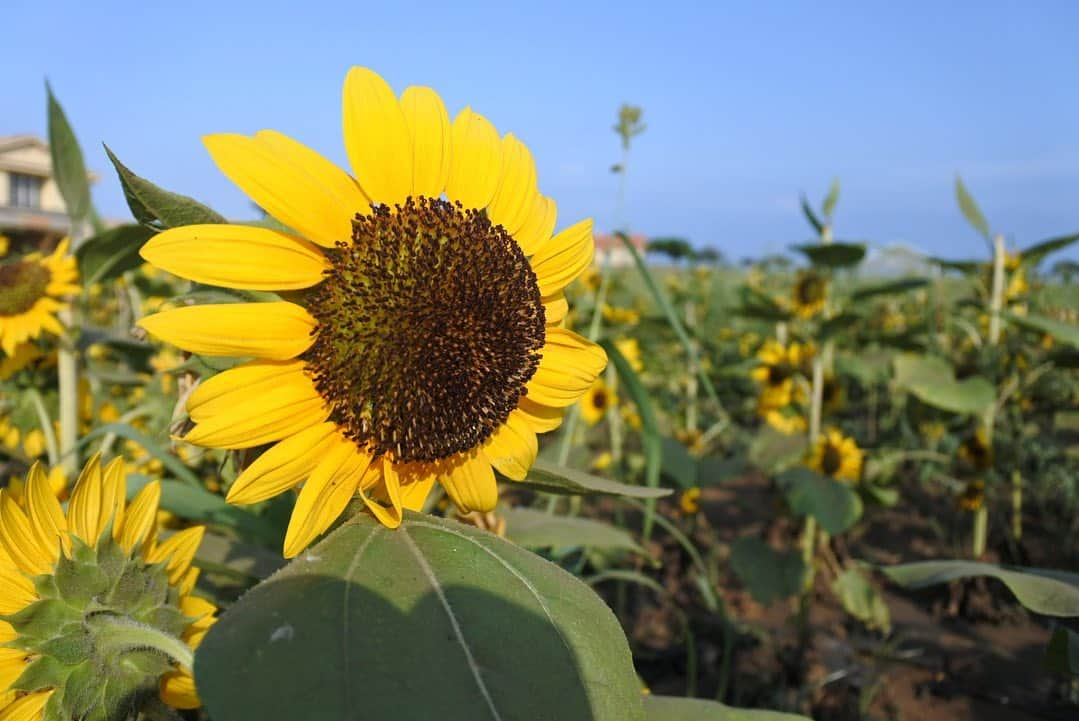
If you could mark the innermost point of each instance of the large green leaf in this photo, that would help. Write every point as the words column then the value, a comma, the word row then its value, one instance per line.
column 1062, row 655
column 198, row 504
column 1061, row 331
column 674, row 708
column 551, row 478
column 434, row 619
column 833, row 255
column 932, row 380
column 68, row 167
column 861, row 600
column 757, row 304
column 834, row 504
column 152, row 205
column 1052, row 593
column 109, row 254
column 1035, row 253
column 772, row 449
column 770, row 575
column 890, row 287
column 970, row 209
column 537, row 529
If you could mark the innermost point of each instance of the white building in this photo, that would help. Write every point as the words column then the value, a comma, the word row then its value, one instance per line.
column 610, row 249
column 32, row 212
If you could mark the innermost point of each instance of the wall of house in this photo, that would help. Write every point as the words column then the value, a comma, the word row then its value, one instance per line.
column 4, row 192
column 33, row 161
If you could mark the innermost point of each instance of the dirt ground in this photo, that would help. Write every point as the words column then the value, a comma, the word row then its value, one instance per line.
column 964, row 651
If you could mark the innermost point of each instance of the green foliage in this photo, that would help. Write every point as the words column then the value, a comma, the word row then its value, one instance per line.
column 537, row 529
column 861, row 600
column 770, row 575
column 69, row 169
column 110, row 254
column 153, row 206
column 970, row 209
column 670, row 708
column 832, row 255
column 550, row 478
column 1063, row 332
column 932, row 380
column 833, row 503
column 510, row 635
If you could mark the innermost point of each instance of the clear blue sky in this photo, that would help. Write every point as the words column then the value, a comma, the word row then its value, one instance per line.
column 747, row 104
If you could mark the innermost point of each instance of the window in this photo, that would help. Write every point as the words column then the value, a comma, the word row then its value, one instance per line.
column 25, row 191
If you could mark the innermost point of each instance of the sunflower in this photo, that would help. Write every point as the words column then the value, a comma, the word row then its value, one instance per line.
column 31, row 292
column 809, row 294
column 779, row 365
column 121, row 614
column 837, row 456
column 689, row 501
column 25, row 354
column 630, row 348
column 1015, row 277
column 976, row 451
column 596, row 401
column 972, row 497
column 420, row 341
column 785, row 420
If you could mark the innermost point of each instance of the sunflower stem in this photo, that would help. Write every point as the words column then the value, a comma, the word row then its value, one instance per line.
column 67, row 369
column 118, row 634
column 43, row 418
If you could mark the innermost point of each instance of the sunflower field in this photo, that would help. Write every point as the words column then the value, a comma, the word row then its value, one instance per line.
column 405, row 445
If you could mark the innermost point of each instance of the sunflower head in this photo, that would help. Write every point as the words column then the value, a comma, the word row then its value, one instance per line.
column 423, row 338
column 31, row 289
column 98, row 614
column 972, row 496
column 837, row 456
column 809, row 293
column 976, row 451
column 595, row 403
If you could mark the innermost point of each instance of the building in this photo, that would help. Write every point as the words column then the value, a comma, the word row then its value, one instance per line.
column 610, row 249
column 32, row 212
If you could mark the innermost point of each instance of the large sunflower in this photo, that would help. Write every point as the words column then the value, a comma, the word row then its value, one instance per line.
column 116, row 602
column 31, row 293
column 420, row 340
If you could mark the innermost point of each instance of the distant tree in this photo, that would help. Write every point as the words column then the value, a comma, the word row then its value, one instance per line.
column 1066, row 270
column 676, row 249
column 711, row 256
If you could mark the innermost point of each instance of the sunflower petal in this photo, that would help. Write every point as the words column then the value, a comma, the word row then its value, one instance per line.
column 542, row 418
column 113, row 494
column 476, row 165
column 284, row 466
column 276, row 330
column 140, row 516
column 470, row 483
column 569, row 365
column 429, row 127
column 386, row 484
column 512, row 448
column 26, row 708
column 235, row 386
column 538, row 226
column 177, row 551
column 237, row 256
column 84, row 510
column 564, row 257
column 325, row 494
column 269, row 417
column 516, row 195
column 46, row 515
column 555, row 309
column 377, row 138
column 18, row 539
column 331, row 177
column 177, row 689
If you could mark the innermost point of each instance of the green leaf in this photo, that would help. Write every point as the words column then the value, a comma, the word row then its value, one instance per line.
column 1063, row 332
column 171, row 463
column 1051, row 593
column 675, row 708
column 1062, row 655
column 537, row 529
column 551, row 478
column 834, row 504
column 650, row 438
column 807, row 209
column 963, row 266
column 110, row 254
column 678, row 464
column 433, row 619
column 970, row 209
column 770, row 575
column 828, row 206
column 755, row 303
column 198, row 504
column 832, row 255
column 861, row 600
column 151, row 204
column 837, row 324
column 68, row 168
column 932, row 380
column 772, row 449
column 890, row 287
column 1035, row 253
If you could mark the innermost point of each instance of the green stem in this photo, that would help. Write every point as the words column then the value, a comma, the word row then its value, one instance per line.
column 46, row 426
column 118, row 634
column 1017, row 505
column 67, row 369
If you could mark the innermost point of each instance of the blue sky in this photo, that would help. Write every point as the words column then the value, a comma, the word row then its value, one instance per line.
column 747, row 104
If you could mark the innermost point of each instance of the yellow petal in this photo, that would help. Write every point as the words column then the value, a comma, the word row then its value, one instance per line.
column 377, row 138
column 226, row 390
column 515, row 198
column 542, row 418
column 569, row 365
column 375, row 485
column 429, row 127
column 237, row 256
column 512, row 448
column 113, row 494
column 470, row 483
column 284, row 466
column 177, row 551
column 12, row 664
column 84, row 510
column 538, row 226
column 46, row 516
column 177, row 689
column 476, row 165
column 281, row 188
column 141, row 516
column 19, row 540
column 555, row 309
column 16, row 589
column 560, row 260
column 325, row 494
column 331, row 177
column 276, row 331
column 26, row 708
column 270, row 415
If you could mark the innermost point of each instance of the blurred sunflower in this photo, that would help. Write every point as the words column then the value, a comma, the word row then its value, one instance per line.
column 809, row 293
column 25, row 354
column 1015, row 277
column 624, row 316
column 31, row 293
column 130, row 636
column 596, row 401
column 972, row 497
column 837, row 456
column 976, row 451
column 785, row 420
column 776, row 373
column 423, row 343
column 689, row 501
column 630, row 349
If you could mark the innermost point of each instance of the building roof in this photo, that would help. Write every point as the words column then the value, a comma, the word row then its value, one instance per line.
column 11, row 142
column 609, row 241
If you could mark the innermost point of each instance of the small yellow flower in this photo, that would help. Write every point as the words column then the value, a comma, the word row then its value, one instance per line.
column 630, row 349
column 602, row 461
column 33, row 443
column 689, row 501
column 972, row 497
column 837, row 456
column 596, row 401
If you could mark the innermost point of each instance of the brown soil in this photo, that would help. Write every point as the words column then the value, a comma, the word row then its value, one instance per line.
column 964, row 651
